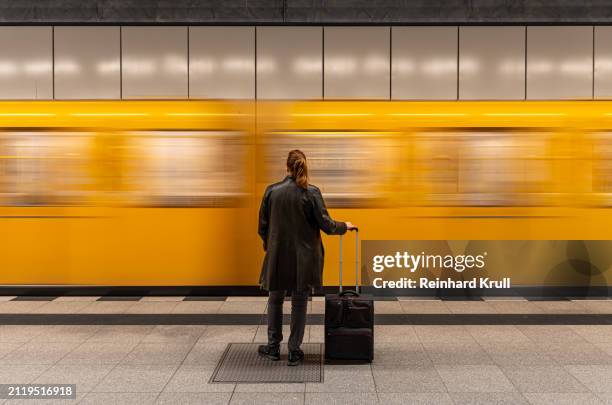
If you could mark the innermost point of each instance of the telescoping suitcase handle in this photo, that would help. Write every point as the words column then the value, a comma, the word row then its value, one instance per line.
column 356, row 264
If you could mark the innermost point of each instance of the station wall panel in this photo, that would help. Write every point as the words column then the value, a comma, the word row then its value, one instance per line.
column 356, row 62
column 222, row 62
column 289, row 62
column 424, row 63
column 26, row 63
column 154, row 62
column 87, row 62
column 603, row 62
column 559, row 62
column 492, row 63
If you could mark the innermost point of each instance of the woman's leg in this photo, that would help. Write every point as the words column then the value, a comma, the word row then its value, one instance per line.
column 275, row 317
column 299, row 306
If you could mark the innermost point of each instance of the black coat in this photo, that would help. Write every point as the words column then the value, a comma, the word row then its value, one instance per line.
column 290, row 220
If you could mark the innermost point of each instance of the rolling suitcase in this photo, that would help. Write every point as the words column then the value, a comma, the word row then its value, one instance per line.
column 349, row 320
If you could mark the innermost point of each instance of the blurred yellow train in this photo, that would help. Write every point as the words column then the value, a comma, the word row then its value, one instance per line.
column 165, row 193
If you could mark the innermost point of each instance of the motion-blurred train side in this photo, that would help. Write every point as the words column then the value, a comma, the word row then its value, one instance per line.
column 166, row 192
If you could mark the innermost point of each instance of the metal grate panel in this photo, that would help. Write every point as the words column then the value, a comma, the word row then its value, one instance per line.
column 240, row 363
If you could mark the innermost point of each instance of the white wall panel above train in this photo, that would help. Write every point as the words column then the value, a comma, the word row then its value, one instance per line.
column 289, row 62
column 87, row 63
column 603, row 62
column 559, row 63
column 154, row 62
column 356, row 62
column 492, row 63
column 222, row 62
column 26, row 63
column 424, row 63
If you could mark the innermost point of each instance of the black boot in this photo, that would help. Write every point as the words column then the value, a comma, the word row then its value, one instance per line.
column 295, row 357
column 269, row 352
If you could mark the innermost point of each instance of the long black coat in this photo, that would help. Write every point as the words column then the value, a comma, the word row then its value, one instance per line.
column 290, row 220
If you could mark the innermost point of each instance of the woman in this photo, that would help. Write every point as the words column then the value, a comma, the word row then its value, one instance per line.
column 291, row 215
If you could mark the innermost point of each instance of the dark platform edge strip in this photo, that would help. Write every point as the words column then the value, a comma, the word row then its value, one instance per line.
column 313, row 319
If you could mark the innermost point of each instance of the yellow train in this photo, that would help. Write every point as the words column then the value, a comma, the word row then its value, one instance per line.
column 165, row 193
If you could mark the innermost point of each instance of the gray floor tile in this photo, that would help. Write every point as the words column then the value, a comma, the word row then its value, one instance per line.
column 605, row 397
column 157, row 353
column 594, row 333
column 452, row 353
column 121, row 333
column 341, row 398
column 407, row 378
column 175, row 334
column 561, row 307
column 563, row 399
column 551, row 333
column 229, row 334
column 345, row 378
column 92, row 353
column 400, row 353
column 515, row 307
column 394, row 333
column 575, row 353
column 543, row 379
column 443, row 333
column 237, row 307
column 205, row 353
column 316, row 333
column 38, row 353
column 197, row 307
column 496, row 333
column 147, row 307
column 469, row 307
column 388, row 307
column 318, row 307
column 21, row 374
column 83, row 298
column 190, row 378
column 595, row 378
column 194, row 398
column 488, row 398
column 60, row 307
column 517, row 354
column 149, row 378
column 474, row 379
column 6, row 348
column 20, row 333
column 268, row 398
column 414, row 398
column 598, row 306
column 262, row 298
column 106, row 307
column 424, row 307
column 20, row 307
column 86, row 377
column 116, row 398
column 163, row 298
column 67, row 333
column 297, row 387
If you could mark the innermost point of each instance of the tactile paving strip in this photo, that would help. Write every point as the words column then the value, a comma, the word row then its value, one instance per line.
column 240, row 363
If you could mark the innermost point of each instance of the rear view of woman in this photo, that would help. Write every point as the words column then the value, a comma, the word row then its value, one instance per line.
column 291, row 216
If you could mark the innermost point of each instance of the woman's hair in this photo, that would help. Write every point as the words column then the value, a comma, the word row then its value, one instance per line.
column 296, row 164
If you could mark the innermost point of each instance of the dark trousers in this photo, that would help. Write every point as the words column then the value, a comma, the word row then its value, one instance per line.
column 299, row 304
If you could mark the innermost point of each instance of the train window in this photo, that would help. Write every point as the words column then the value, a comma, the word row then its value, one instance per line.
column 44, row 168
column 483, row 167
column 185, row 168
column 602, row 163
column 350, row 168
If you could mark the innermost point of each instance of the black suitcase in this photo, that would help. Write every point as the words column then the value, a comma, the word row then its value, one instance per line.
column 349, row 320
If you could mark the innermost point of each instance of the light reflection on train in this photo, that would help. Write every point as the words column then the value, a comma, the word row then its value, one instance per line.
column 166, row 193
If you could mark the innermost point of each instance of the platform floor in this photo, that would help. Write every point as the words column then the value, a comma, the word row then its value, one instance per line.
column 437, row 364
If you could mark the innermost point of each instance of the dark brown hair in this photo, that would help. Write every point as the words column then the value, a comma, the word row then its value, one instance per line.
column 296, row 165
